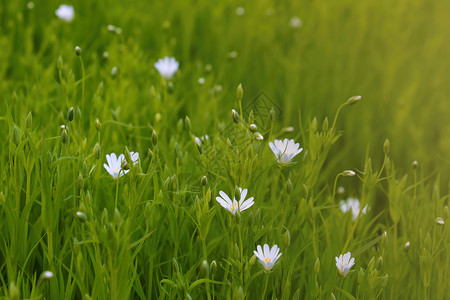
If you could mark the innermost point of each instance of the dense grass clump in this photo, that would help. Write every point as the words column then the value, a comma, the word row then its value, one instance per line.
column 202, row 150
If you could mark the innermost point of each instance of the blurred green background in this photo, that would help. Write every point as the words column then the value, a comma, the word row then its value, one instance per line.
column 392, row 53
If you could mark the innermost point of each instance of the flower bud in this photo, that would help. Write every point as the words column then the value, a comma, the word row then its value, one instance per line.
column 384, row 281
column 341, row 190
column 237, row 193
column 64, row 136
column 252, row 260
column 204, row 269
column 272, row 114
column 98, row 125
column 80, row 181
column 81, row 216
column 406, row 246
column 286, row 239
column 180, row 125
column 415, row 164
column 88, row 198
column 236, row 251
column 59, row 63
column 213, row 267
column 117, row 217
column 208, row 195
column 386, row 146
column 353, row 100
column 379, row 263
column 199, row 145
column 348, row 173
column 47, row 275
column 187, row 123
column 83, row 144
column 97, row 151
column 439, row 221
column 29, row 120
column 150, row 154
column 253, row 128
column 289, row 186
column 204, row 180
column 384, row 238
column 77, row 51
column 317, row 266
column 104, row 218
column 235, row 116
column 240, row 92
column 70, row 114
column 258, row 136
column 325, row 124
column 128, row 156
column 154, row 137
column 251, row 117
column 15, row 136
column 114, row 71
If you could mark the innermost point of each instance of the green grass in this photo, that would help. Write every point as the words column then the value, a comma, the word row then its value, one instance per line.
column 58, row 203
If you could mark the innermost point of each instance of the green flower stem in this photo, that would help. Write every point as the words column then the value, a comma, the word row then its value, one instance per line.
column 265, row 286
column 117, row 191
column 205, row 257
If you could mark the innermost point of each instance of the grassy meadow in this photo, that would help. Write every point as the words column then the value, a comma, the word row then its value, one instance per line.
column 361, row 86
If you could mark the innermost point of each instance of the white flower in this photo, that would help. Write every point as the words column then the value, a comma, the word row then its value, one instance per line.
column 240, row 11
column 267, row 257
column 344, row 263
column 295, row 22
column 114, row 166
column 65, row 12
column 234, row 206
column 353, row 205
column 284, row 150
column 167, row 67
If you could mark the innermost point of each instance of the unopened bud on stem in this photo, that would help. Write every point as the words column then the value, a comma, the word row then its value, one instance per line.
column 70, row 114
column 240, row 92
column 353, row 100
column 235, row 116
column 348, row 173
column 386, row 146
column 154, row 137
column 77, row 50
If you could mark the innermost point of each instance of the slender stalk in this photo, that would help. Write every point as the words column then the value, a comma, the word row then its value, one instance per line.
column 205, row 257
column 242, row 254
column 117, row 192
column 334, row 186
column 265, row 286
